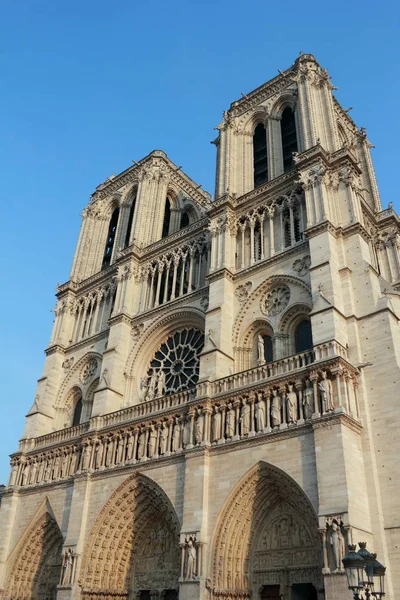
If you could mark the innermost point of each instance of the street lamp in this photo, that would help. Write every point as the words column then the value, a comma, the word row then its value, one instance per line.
column 365, row 575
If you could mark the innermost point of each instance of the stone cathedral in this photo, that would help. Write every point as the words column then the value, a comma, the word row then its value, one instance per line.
column 217, row 415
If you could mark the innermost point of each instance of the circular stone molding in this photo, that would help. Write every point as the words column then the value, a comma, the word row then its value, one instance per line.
column 275, row 301
column 88, row 371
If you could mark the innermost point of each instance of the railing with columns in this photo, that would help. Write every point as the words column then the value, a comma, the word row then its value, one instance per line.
column 174, row 274
column 269, row 229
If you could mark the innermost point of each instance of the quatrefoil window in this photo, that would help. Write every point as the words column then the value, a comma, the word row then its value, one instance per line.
column 179, row 359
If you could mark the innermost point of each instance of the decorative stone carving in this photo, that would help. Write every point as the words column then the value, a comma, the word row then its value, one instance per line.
column 242, row 291
column 67, row 364
column 230, row 422
column 88, row 371
column 137, row 331
column 204, row 303
column 302, row 265
column 152, row 444
column 275, row 301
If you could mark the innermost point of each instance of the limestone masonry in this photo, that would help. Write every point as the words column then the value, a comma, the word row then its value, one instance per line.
column 218, row 412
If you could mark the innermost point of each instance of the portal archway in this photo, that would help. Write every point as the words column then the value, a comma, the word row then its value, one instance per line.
column 267, row 535
column 35, row 572
column 134, row 545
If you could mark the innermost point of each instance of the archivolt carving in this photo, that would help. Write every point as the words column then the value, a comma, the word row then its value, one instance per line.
column 292, row 314
column 134, row 543
column 36, row 570
column 73, row 376
column 266, row 514
column 260, row 291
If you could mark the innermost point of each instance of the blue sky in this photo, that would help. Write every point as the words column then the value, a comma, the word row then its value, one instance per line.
column 88, row 86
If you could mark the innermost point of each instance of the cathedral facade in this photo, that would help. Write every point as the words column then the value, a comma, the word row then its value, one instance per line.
column 217, row 414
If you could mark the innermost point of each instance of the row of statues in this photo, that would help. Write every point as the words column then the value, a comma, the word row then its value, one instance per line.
column 250, row 414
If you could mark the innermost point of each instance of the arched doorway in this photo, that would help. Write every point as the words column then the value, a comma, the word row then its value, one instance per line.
column 133, row 549
column 266, row 544
column 36, row 569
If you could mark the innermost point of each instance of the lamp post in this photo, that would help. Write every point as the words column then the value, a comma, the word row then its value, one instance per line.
column 365, row 575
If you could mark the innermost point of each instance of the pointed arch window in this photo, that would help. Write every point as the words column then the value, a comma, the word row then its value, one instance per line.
column 167, row 218
column 184, row 220
column 260, row 155
column 130, row 221
column 76, row 419
column 112, row 229
column 303, row 336
column 289, row 138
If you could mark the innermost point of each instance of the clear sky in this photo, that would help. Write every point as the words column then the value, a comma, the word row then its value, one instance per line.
column 89, row 85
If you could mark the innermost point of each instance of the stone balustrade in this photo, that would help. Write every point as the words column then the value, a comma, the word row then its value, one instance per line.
column 170, row 426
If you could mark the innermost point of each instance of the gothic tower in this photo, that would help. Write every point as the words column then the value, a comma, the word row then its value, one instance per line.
column 217, row 412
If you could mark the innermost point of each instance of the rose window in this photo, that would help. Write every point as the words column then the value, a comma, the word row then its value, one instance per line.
column 276, row 300
column 178, row 359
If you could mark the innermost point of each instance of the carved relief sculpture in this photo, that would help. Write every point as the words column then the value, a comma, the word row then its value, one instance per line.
column 244, row 417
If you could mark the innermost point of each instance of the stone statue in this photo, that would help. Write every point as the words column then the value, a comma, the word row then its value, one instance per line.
column 160, row 383
column 120, row 449
column 191, row 553
column 144, row 386
column 164, row 438
column 109, row 453
column 141, row 444
column 67, row 567
column 336, row 541
column 260, row 413
column 245, row 418
column 326, row 391
column 230, row 421
column 199, row 427
column 186, row 432
column 217, row 421
column 74, row 460
column 56, row 467
column 33, row 473
column 308, row 400
column 276, row 404
column 151, row 392
column 86, row 454
column 99, row 455
column 176, row 435
column 25, row 474
column 152, row 440
column 14, row 472
column 291, row 405
column 129, row 447
column 260, row 350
